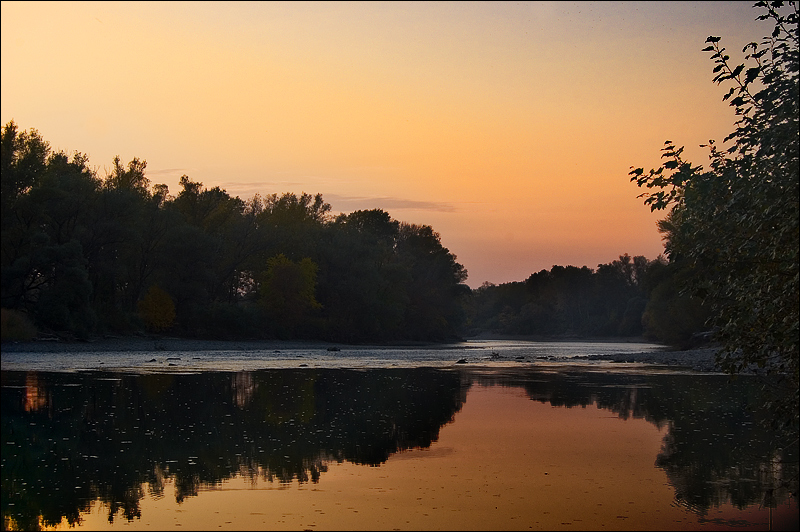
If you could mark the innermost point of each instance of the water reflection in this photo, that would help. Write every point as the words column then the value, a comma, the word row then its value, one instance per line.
column 35, row 393
column 104, row 435
column 717, row 448
column 69, row 439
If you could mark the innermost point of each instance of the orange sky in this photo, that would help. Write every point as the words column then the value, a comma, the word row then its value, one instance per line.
column 508, row 127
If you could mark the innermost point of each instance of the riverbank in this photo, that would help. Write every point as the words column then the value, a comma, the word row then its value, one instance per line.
column 699, row 359
column 122, row 344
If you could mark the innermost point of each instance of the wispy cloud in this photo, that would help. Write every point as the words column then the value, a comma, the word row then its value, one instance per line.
column 248, row 189
column 340, row 203
column 351, row 203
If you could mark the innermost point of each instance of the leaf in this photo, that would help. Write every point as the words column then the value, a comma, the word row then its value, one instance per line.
column 713, row 39
column 729, row 94
column 751, row 75
column 708, row 49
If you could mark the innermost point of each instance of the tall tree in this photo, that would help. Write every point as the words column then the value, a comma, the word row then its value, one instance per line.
column 435, row 286
column 736, row 223
column 362, row 284
column 46, row 199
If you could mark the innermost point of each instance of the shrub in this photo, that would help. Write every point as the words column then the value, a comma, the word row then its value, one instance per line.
column 16, row 326
column 157, row 309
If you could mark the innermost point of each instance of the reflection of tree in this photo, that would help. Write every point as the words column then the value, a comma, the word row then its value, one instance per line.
column 111, row 437
column 717, row 449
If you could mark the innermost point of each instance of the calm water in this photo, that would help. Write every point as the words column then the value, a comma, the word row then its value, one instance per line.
column 494, row 444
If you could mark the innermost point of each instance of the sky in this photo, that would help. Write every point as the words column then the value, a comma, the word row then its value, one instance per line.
column 509, row 127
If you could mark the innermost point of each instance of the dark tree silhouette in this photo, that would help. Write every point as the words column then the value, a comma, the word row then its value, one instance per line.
column 735, row 225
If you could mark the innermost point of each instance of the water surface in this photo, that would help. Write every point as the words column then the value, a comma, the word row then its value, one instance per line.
column 487, row 445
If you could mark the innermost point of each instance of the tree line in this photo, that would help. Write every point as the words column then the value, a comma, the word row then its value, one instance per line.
column 88, row 255
column 84, row 255
column 631, row 296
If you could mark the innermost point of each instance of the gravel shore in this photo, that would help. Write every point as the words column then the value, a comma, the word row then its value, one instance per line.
column 699, row 359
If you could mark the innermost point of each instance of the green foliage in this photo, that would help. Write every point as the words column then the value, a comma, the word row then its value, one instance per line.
column 736, row 224
column 156, row 309
column 64, row 304
column 287, row 292
column 671, row 316
column 15, row 326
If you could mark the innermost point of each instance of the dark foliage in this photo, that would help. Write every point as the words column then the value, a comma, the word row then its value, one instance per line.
column 733, row 229
column 627, row 297
column 80, row 253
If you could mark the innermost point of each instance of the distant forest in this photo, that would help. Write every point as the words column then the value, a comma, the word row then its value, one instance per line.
column 86, row 255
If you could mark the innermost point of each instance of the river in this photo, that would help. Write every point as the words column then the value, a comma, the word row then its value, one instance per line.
column 481, row 435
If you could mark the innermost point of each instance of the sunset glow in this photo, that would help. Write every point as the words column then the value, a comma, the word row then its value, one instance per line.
column 508, row 127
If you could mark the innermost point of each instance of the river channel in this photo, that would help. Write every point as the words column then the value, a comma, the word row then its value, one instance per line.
column 506, row 439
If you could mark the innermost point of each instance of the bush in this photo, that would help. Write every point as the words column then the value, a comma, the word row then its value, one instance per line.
column 157, row 309
column 16, row 326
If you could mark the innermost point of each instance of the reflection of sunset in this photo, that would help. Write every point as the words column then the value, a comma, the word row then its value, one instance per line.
column 35, row 393
column 506, row 462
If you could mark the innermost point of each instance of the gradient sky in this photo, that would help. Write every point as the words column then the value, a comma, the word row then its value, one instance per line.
column 510, row 127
